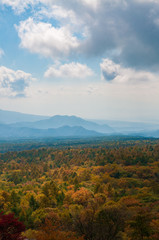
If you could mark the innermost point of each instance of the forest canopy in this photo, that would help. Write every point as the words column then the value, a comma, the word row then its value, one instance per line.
column 91, row 192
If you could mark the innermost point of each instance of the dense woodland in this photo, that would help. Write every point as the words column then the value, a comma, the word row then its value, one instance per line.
column 104, row 192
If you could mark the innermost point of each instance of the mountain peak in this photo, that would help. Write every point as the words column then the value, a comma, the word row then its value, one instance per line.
column 65, row 116
column 57, row 121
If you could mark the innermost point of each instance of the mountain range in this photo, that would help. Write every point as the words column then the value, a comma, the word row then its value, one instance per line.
column 58, row 121
column 15, row 125
column 8, row 117
column 7, row 132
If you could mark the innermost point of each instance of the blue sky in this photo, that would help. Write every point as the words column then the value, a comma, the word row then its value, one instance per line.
column 96, row 59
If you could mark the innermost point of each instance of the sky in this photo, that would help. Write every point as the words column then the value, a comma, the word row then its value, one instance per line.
column 97, row 59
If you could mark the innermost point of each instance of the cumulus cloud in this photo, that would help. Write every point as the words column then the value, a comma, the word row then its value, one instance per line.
column 19, row 5
column 71, row 70
column 109, row 69
column 45, row 39
column 91, row 3
column 116, row 73
column 14, row 83
column 124, row 30
column 57, row 12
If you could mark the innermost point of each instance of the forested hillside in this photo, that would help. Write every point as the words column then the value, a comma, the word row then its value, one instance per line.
column 90, row 193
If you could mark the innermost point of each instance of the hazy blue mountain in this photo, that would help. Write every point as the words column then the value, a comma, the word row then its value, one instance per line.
column 154, row 134
column 43, row 126
column 72, row 121
column 8, row 117
column 126, row 127
column 7, row 132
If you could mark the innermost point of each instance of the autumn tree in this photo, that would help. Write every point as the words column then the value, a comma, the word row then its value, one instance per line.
column 53, row 230
column 140, row 225
column 109, row 223
column 10, row 227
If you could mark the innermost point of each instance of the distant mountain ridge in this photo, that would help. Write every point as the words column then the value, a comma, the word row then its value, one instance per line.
column 7, row 132
column 14, row 125
column 71, row 121
column 9, row 117
column 20, row 125
column 129, row 127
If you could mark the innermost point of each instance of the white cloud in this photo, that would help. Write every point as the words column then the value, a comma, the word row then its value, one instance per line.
column 71, row 70
column 1, row 52
column 44, row 39
column 109, row 69
column 59, row 13
column 92, row 28
column 116, row 73
column 19, row 5
column 91, row 3
column 14, row 83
